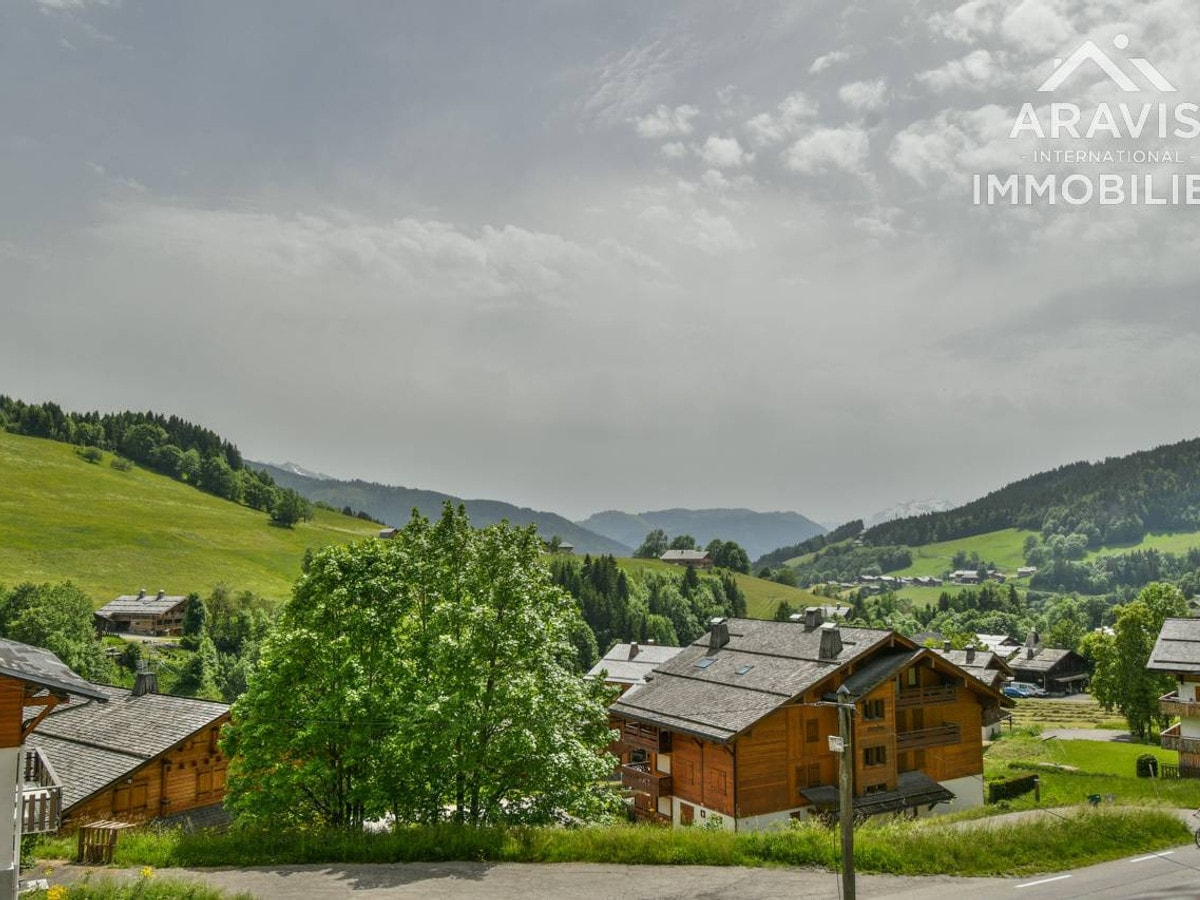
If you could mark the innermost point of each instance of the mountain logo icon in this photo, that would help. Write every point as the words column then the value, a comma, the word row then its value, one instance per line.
column 1088, row 51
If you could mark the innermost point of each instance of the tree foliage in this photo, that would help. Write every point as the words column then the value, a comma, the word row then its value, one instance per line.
column 1121, row 680
column 58, row 617
column 654, row 546
column 427, row 677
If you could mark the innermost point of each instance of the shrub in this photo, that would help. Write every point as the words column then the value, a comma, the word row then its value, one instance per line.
column 90, row 454
column 1147, row 766
column 121, row 464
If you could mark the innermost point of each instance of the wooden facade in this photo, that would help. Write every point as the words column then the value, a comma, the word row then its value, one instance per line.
column 918, row 720
column 188, row 776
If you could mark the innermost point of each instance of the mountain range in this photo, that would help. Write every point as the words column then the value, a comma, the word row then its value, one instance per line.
column 757, row 532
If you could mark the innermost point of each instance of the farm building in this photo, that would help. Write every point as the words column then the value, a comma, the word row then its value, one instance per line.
column 693, row 559
column 143, row 614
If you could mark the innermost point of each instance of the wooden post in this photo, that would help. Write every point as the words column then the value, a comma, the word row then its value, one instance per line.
column 845, row 709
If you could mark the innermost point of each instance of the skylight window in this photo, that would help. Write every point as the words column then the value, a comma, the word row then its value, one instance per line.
column 706, row 662
column 742, row 670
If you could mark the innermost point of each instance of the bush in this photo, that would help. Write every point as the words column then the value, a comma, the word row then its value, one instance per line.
column 1147, row 766
column 1007, row 788
column 90, row 454
column 121, row 464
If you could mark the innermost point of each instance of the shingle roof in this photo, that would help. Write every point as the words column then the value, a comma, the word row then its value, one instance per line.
column 131, row 604
column 776, row 661
column 42, row 668
column 1045, row 659
column 624, row 670
column 1177, row 648
column 689, row 555
column 90, row 744
column 981, row 660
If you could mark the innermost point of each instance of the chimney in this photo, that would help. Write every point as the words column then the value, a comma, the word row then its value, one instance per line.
column 141, row 593
column 1029, row 652
column 1031, row 639
column 970, row 654
column 162, row 592
column 796, row 618
column 831, row 641
column 718, row 636
column 946, row 645
column 634, row 649
column 146, row 682
column 812, row 618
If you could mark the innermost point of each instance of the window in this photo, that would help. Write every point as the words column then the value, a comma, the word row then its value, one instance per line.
column 814, row 774
column 873, row 709
column 706, row 662
column 874, row 756
column 810, row 731
column 742, row 670
column 876, row 789
column 912, row 677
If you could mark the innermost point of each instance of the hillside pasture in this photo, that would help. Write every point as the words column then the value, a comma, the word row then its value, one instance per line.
column 113, row 532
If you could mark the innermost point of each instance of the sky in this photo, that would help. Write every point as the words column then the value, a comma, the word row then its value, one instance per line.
column 593, row 255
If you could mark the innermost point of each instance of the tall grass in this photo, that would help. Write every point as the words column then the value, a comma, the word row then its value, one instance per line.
column 927, row 847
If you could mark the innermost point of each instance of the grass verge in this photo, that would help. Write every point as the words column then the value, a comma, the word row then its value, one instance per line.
column 145, row 887
column 926, row 847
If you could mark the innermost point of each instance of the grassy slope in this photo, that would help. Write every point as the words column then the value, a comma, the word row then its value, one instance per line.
column 114, row 532
column 762, row 597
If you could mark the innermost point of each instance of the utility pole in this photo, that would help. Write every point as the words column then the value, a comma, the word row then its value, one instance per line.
column 845, row 708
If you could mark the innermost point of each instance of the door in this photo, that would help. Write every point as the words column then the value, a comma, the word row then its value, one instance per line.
column 687, row 814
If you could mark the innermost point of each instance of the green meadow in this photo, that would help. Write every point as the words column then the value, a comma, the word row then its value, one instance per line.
column 114, row 532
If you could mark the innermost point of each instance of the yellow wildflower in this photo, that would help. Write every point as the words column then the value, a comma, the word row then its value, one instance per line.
column 147, row 872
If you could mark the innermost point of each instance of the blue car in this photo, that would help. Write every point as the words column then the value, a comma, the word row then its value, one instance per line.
column 1012, row 690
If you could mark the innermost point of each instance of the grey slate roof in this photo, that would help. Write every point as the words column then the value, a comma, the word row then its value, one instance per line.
column 1045, row 659
column 980, row 662
column 912, row 789
column 625, row 670
column 131, row 604
column 717, row 703
column 683, row 555
column 42, row 668
column 91, row 744
column 1177, row 648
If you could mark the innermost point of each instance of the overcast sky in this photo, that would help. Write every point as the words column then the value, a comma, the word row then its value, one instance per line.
column 589, row 255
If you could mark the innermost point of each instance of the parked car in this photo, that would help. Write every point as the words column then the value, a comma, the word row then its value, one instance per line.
column 1031, row 690
column 1011, row 690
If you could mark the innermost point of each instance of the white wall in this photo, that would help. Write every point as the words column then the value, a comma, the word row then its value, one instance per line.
column 703, row 817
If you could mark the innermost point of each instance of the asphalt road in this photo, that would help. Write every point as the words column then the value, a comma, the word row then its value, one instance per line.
column 1169, row 875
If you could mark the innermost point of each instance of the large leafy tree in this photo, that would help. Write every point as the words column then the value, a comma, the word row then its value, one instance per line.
column 429, row 677
column 58, row 617
column 1121, row 680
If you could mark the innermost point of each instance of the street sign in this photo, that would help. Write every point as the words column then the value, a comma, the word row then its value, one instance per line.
column 836, row 744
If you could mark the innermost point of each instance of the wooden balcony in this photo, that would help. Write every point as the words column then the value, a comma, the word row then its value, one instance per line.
column 926, row 696
column 938, row 736
column 638, row 777
column 1173, row 740
column 1171, row 705
column 41, row 795
column 640, row 736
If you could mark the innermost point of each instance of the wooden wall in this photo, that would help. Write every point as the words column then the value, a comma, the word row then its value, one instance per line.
column 702, row 772
column 776, row 759
column 188, row 776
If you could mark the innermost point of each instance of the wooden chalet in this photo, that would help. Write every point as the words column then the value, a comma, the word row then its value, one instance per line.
column 735, row 727
column 143, row 614
column 33, row 683
column 139, row 756
column 992, row 670
column 693, row 559
column 1057, row 671
column 1177, row 653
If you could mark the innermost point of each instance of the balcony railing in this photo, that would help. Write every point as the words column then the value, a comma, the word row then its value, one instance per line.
column 639, row 735
column 937, row 736
column 1171, row 771
column 639, row 778
column 1171, row 705
column 41, row 795
column 1173, row 740
column 926, row 696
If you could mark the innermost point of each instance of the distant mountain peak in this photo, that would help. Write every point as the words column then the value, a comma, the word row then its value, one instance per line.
column 907, row 509
column 297, row 469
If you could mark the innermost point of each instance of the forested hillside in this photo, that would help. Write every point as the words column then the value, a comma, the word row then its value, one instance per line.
column 757, row 532
column 1111, row 502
